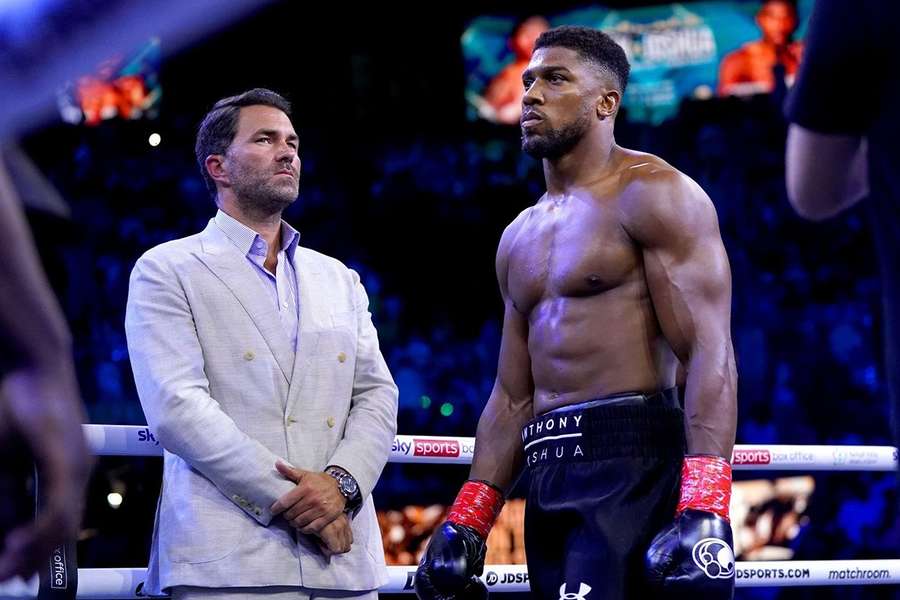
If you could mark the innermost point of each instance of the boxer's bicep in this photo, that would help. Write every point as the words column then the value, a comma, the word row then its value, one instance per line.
column 685, row 264
column 689, row 281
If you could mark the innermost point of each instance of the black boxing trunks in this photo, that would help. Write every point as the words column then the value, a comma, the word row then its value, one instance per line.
column 604, row 479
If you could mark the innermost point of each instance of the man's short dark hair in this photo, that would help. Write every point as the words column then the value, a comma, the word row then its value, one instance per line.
column 593, row 45
column 220, row 125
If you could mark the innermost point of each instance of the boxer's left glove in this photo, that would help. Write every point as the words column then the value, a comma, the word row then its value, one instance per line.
column 455, row 556
column 693, row 557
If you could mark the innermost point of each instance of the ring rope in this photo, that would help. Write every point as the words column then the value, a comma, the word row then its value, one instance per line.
column 105, row 584
column 137, row 440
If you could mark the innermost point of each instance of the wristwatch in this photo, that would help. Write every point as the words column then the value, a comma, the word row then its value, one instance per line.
column 347, row 486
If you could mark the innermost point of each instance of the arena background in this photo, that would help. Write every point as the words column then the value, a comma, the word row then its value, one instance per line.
column 405, row 183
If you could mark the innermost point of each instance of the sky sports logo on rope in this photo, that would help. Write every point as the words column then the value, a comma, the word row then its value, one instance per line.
column 432, row 447
column 401, row 446
column 438, row 448
column 752, row 456
column 145, row 435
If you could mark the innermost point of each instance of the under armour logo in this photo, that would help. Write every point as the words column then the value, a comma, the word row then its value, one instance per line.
column 583, row 590
column 714, row 557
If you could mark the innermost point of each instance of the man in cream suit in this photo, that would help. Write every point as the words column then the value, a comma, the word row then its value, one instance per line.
column 258, row 368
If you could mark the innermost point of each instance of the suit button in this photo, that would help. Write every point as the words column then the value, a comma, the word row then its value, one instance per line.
column 330, row 421
column 342, row 357
column 290, row 421
column 248, row 355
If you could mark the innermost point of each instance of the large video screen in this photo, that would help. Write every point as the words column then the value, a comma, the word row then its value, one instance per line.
column 122, row 87
column 676, row 51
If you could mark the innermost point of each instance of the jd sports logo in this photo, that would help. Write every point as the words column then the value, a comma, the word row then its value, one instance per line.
column 714, row 557
column 583, row 590
column 507, row 578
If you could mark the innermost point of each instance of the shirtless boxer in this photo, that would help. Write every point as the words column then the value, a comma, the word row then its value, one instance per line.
column 611, row 280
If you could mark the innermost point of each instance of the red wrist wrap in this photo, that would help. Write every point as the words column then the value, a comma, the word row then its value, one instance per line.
column 477, row 506
column 705, row 485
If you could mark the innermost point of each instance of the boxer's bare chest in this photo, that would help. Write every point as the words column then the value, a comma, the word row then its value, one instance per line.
column 571, row 246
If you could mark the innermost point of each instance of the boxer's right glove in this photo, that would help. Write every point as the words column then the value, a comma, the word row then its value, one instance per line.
column 693, row 557
column 455, row 554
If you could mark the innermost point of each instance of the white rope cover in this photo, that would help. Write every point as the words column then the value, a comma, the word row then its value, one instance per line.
column 133, row 440
column 128, row 583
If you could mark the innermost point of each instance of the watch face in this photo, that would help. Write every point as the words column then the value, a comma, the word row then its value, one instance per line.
column 348, row 486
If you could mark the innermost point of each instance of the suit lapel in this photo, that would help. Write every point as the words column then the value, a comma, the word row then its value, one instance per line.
column 226, row 262
column 308, row 339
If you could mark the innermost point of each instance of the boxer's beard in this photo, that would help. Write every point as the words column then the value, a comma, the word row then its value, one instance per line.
column 556, row 142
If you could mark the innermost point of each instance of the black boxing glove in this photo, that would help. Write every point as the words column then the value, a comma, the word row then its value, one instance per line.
column 693, row 557
column 455, row 556
column 449, row 570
